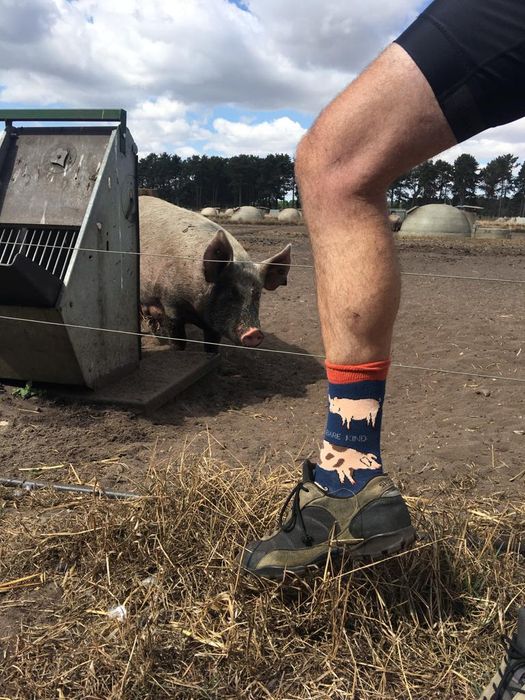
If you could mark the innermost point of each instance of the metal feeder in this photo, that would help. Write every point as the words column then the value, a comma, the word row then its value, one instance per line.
column 67, row 192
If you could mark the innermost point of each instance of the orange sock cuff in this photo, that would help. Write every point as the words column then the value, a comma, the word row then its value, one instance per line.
column 346, row 374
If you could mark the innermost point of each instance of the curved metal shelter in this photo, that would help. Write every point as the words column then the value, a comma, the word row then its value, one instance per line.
column 247, row 215
column 440, row 220
column 289, row 216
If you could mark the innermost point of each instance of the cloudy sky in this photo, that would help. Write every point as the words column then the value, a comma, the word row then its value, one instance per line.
column 204, row 76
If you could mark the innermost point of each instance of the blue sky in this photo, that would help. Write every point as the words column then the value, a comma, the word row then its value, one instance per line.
column 240, row 4
column 203, row 76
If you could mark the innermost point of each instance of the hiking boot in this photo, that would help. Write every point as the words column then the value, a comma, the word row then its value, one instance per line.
column 509, row 681
column 373, row 523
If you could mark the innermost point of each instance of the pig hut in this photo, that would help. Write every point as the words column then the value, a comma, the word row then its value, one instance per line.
column 210, row 211
column 289, row 216
column 439, row 220
column 247, row 215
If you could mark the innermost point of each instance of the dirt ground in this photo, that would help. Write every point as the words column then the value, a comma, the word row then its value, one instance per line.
column 264, row 408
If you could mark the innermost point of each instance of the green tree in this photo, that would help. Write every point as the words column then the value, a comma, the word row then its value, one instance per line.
column 497, row 180
column 465, row 179
column 412, row 186
column 217, row 189
column 519, row 194
column 193, row 182
column 242, row 174
column 444, row 176
column 275, row 179
column 162, row 172
column 427, row 178
column 397, row 193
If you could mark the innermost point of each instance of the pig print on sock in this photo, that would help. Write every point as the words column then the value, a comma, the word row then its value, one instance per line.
column 345, row 460
column 355, row 409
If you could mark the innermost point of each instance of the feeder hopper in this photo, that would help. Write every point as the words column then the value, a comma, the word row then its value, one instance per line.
column 67, row 192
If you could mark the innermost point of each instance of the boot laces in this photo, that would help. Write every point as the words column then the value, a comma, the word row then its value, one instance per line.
column 513, row 654
column 296, row 514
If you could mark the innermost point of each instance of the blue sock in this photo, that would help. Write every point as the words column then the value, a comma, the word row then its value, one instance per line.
column 351, row 453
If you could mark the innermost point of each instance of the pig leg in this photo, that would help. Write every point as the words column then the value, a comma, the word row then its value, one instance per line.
column 152, row 315
column 177, row 331
column 211, row 337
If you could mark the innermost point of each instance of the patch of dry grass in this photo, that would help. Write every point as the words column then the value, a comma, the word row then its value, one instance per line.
column 422, row 625
column 499, row 223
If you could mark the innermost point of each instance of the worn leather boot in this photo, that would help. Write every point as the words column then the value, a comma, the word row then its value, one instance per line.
column 509, row 681
column 373, row 523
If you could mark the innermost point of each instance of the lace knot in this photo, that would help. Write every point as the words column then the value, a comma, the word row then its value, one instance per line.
column 296, row 514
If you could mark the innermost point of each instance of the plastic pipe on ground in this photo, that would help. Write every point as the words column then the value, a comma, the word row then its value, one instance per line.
column 69, row 488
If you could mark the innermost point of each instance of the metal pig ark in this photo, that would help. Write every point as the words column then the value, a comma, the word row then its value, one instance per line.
column 67, row 192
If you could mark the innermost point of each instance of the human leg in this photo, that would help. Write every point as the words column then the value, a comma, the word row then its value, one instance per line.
column 384, row 123
column 455, row 72
column 343, row 175
column 390, row 119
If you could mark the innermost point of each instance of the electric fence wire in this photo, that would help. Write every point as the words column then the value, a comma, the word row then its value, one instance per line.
column 266, row 350
column 303, row 266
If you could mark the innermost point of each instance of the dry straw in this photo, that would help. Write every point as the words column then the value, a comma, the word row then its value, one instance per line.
column 421, row 625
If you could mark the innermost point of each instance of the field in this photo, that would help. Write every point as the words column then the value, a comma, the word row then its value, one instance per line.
column 214, row 467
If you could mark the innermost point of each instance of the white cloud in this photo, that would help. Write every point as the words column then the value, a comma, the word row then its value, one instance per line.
column 172, row 62
column 509, row 138
column 278, row 136
column 161, row 108
column 196, row 51
column 164, row 125
column 26, row 21
column 333, row 34
column 185, row 151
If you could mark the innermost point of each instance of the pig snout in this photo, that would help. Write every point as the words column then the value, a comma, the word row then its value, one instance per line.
column 252, row 338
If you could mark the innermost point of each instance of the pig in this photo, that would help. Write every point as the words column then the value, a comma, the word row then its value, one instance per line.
column 355, row 409
column 344, row 460
column 211, row 283
column 395, row 222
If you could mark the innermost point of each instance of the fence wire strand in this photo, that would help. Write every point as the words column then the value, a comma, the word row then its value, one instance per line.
column 266, row 350
column 303, row 266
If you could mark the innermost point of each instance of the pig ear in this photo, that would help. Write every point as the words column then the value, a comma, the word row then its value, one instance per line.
column 217, row 256
column 275, row 270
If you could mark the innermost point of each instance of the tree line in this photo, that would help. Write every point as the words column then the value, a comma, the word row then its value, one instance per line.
column 199, row 181
column 213, row 181
column 499, row 187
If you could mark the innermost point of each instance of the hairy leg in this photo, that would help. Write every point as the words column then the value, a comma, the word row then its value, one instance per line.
column 384, row 123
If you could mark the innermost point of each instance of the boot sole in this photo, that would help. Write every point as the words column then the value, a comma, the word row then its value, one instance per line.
column 376, row 547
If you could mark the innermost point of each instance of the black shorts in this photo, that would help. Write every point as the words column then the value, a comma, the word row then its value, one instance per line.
column 472, row 52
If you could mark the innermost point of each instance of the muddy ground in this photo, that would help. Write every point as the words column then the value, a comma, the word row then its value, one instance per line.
column 263, row 408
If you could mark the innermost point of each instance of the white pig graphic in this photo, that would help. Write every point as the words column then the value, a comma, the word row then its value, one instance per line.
column 344, row 460
column 355, row 409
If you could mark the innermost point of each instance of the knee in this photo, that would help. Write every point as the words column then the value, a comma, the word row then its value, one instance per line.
column 312, row 160
column 339, row 167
